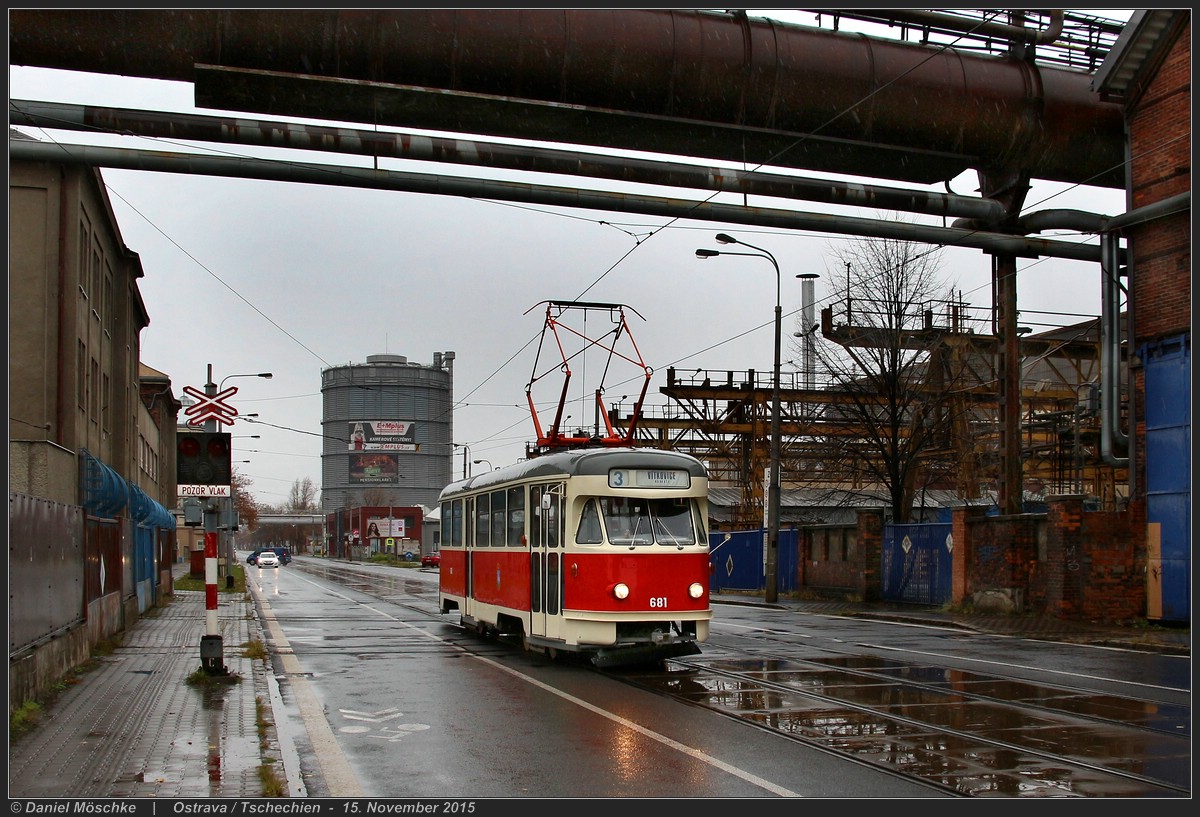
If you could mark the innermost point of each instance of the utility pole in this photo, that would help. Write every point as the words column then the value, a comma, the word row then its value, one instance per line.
column 212, row 648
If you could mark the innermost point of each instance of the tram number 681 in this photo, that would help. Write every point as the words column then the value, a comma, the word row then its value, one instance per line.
column 658, row 602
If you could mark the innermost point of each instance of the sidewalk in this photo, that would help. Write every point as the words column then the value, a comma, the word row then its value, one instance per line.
column 134, row 727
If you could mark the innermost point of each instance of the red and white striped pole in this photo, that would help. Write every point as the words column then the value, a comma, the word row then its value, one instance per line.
column 210, row 583
column 212, row 649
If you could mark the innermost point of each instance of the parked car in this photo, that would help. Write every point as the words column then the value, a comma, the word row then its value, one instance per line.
column 431, row 559
column 267, row 559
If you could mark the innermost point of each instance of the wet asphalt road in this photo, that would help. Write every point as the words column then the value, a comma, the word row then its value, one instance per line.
column 384, row 698
column 416, row 708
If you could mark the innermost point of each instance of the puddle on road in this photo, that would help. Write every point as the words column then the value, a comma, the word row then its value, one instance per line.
column 937, row 732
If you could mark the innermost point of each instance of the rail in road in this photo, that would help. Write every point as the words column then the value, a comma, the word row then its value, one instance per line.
column 972, row 733
column 967, row 732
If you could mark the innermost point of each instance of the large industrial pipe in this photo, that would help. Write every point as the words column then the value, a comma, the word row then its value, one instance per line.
column 667, row 80
column 381, row 144
column 177, row 162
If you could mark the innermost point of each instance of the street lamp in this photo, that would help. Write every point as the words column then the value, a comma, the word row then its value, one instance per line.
column 489, row 462
column 772, row 569
column 264, row 375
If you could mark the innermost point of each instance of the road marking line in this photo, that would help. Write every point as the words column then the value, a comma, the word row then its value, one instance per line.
column 656, row 736
column 335, row 768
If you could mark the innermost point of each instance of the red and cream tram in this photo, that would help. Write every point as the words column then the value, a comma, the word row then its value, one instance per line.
column 602, row 551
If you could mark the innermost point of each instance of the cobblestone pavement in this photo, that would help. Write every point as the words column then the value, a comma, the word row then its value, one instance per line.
column 134, row 727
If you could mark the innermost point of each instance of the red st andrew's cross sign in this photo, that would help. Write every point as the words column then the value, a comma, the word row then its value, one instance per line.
column 210, row 407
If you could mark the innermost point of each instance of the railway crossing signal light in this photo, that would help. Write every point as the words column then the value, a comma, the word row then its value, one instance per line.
column 203, row 458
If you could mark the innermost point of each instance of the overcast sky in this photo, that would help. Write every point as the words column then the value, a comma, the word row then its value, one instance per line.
column 252, row 276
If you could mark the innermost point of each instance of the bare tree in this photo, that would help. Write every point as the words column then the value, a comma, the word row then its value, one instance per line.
column 303, row 495
column 895, row 386
column 243, row 500
column 379, row 496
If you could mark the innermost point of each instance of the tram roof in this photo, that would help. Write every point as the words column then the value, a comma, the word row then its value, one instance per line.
column 580, row 462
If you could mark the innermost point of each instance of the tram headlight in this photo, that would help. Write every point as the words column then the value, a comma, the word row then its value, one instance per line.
column 695, row 590
column 621, row 590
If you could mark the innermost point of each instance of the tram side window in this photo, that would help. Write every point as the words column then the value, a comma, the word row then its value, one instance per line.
column 554, row 520
column 553, row 583
column 589, row 525
column 535, row 513
column 483, row 521
column 516, row 517
column 452, row 531
column 499, row 519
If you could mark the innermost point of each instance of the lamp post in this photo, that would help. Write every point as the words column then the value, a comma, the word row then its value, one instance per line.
column 489, row 462
column 264, row 375
column 772, row 556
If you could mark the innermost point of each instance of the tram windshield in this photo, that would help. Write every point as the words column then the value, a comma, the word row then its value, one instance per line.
column 631, row 521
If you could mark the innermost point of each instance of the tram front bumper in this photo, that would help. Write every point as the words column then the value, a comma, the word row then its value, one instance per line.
column 642, row 653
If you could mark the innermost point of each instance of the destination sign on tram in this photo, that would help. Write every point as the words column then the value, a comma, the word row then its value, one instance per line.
column 204, row 490
column 648, row 478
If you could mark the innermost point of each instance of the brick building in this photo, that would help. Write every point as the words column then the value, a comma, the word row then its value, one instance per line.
column 1148, row 72
column 91, row 431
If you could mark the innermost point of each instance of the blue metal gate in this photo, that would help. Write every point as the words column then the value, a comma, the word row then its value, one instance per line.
column 738, row 561
column 916, row 563
column 1168, row 464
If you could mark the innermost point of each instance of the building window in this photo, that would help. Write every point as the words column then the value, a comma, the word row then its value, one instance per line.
column 94, row 391
column 105, row 394
column 94, row 276
column 85, row 240
column 107, row 318
column 81, row 377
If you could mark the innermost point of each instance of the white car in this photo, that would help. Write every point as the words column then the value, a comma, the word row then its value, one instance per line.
column 268, row 558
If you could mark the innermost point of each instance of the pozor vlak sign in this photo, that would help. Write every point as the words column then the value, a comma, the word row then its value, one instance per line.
column 202, row 463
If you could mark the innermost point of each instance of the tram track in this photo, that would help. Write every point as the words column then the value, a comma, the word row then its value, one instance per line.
column 1057, row 698
column 963, row 732
column 973, row 745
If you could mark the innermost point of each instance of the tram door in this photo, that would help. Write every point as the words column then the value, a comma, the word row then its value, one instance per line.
column 545, row 559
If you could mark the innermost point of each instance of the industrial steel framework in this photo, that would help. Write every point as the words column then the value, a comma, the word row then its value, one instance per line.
column 1006, row 93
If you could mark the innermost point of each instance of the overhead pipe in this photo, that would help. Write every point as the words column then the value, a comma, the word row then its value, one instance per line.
column 685, row 81
column 950, row 22
column 1111, row 434
column 170, row 162
column 1164, row 207
column 475, row 153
